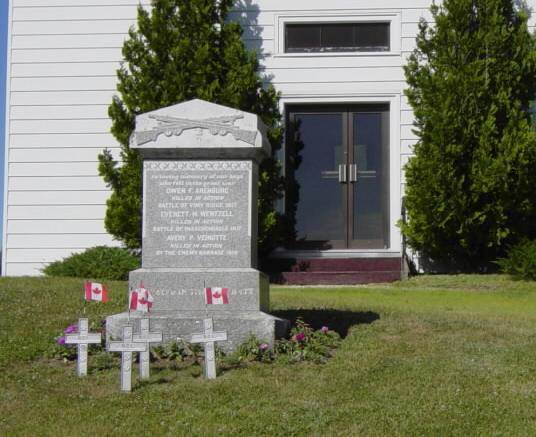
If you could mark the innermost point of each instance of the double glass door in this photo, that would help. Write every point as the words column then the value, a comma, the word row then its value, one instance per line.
column 337, row 171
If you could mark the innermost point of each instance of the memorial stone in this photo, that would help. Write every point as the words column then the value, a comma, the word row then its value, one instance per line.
column 208, row 338
column 126, row 347
column 146, row 337
column 82, row 339
column 200, row 177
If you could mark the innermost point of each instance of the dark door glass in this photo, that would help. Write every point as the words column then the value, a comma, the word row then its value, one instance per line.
column 320, row 208
column 370, row 190
column 338, row 177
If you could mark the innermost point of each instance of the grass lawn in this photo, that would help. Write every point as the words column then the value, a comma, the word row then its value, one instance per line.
column 430, row 356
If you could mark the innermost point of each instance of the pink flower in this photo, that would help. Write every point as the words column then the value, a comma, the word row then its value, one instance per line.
column 70, row 329
column 324, row 329
column 264, row 346
column 300, row 336
column 61, row 341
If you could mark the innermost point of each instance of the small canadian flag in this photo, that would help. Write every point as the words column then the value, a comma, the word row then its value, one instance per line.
column 96, row 291
column 141, row 299
column 217, row 296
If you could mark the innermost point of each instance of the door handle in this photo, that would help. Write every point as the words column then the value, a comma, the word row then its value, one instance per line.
column 327, row 174
column 342, row 173
column 353, row 172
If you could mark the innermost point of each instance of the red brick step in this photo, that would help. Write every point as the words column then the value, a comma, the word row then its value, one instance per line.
column 336, row 271
column 339, row 278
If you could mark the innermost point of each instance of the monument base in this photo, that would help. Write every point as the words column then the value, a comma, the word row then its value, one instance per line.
column 174, row 325
column 182, row 290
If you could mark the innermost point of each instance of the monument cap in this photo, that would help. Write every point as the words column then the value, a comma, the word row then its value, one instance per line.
column 199, row 129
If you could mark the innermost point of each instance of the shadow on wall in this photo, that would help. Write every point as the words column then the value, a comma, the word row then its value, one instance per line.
column 336, row 320
column 246, row 13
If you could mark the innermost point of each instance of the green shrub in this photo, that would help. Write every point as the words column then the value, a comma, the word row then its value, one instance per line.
column 521, row 261
column 470, row 186
column 176, row 351
column 181, row 50
column 103, row 262
column 304, row 344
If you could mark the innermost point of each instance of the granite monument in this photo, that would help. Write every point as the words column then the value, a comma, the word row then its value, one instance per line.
column 200, row 176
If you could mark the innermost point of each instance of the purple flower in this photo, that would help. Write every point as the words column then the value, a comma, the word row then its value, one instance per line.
column 264, row 347
column 300, row 336
column 70, row 329
column 324, row 329
column 61, row 341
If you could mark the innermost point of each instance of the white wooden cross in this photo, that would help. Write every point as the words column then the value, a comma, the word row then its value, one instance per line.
column 146, row 337
column 208, row 338
column 82, row 338
column 126, row 347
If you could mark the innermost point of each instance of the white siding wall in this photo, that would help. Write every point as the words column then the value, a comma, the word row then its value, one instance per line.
column 62, row 57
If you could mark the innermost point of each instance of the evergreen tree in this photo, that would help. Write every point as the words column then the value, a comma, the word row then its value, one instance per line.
column 181, row 50
column 471, row 187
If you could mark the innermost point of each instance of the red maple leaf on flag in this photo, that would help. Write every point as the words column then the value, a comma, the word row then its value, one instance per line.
column 216, row 296
column 95, row 291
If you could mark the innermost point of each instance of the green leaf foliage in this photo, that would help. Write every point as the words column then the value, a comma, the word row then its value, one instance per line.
column 470, row 187
column 181, row 50
column 521, row 261
column 113, row 263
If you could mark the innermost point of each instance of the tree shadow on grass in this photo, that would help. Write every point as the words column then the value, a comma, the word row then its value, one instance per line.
column 336, row 320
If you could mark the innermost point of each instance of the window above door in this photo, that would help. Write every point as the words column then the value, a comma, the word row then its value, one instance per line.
column 337, row 37
column 342, row 34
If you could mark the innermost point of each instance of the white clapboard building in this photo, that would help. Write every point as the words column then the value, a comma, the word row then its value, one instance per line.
column 338, row 66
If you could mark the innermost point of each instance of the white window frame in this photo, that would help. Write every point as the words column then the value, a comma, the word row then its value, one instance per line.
column 392, row 17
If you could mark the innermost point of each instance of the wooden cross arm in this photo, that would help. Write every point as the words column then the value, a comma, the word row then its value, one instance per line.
column 204, row 338
column 86, row 339
column 121, row 346
column 151, row 338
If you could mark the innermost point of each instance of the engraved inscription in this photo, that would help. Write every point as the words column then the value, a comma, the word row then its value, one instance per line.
column 196, row 212
column 198, row 292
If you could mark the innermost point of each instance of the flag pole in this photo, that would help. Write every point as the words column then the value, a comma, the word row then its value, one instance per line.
column 84, row 300
column 205, row 297
column 128, row 303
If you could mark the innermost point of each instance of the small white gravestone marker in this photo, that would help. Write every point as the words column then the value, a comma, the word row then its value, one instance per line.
column 208, row 338
column 146, row 337
column 82, row 338
column 126, row 347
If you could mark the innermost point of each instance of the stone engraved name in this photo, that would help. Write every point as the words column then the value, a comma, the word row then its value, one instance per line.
column 196, row 292
column 127, row 347
column 194, row 211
